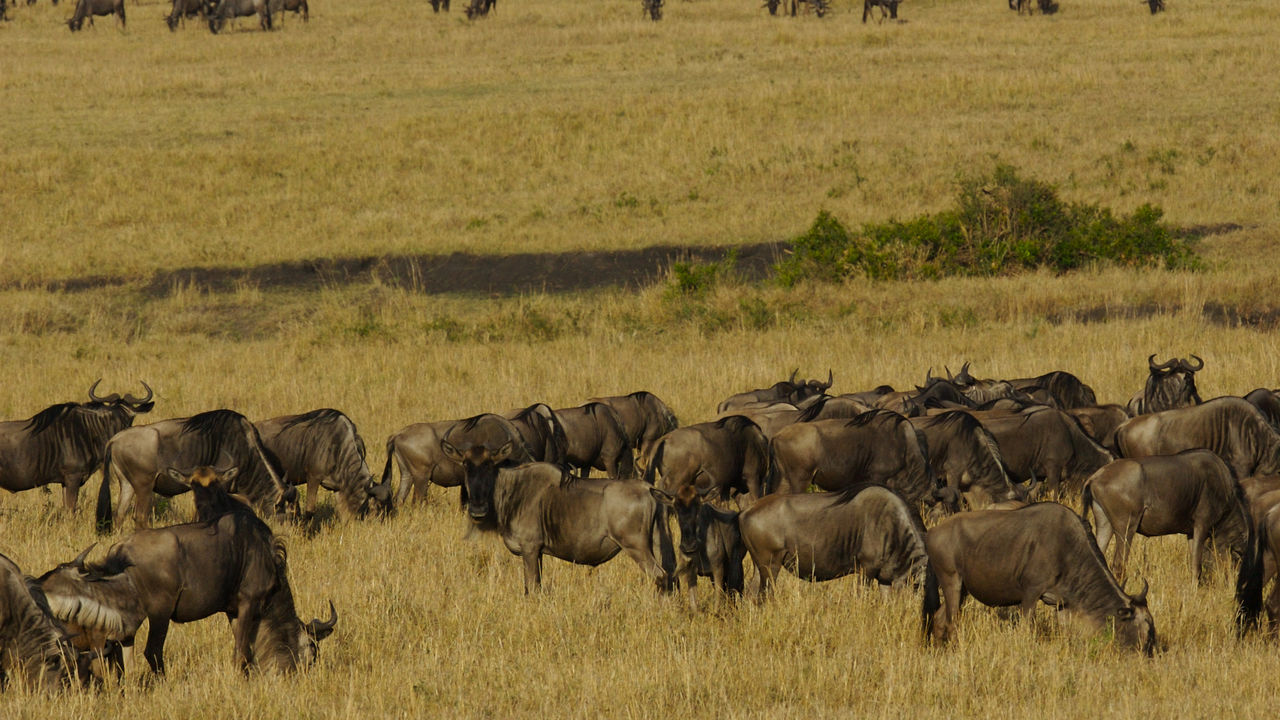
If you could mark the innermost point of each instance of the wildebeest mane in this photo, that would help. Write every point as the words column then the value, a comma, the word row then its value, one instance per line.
column 863, row 419
column 315, row 416
column 81, row 428
column 736, row 423
column 345, row 459
column 31, row 639
column 205, row 437
column 1094, row 582
column 652, row 402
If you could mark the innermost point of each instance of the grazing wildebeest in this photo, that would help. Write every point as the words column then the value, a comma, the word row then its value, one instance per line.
column 280, row 7
column 887, row 7
column 321, row 448
column 1229, row 426
column 238, row 9
column 645, row 416
column 1170, row 385
column 1059, row 389
column 863, row 528
column 731, row 452
column 1192, row 493
column 790, row 390
column 542, row 432
column 1100, row 422
column 537, row 508
column 879, row 447
column 90, row 8
column 183, row 9
column 1045, row 443
column 480, row 8
column 966, row 458
column 1154, row 5
column 137, row 457
column 1042, row 552
column 228, row 564
column 1268, row 403
column 64, row 443
column 416, row 449
column 710, row 540
column 35, row 650
column 596, row 438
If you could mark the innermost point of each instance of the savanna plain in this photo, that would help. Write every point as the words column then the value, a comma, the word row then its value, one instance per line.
column 556, row 126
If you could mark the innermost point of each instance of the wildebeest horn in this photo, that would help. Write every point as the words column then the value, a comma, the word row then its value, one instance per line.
column 79, row 561
column 1141, row 597
column 831, row 378
column 928, row 376
column 321, row 630
column 94, row 397
column 792, row 379
column 1187, row 366
column 136, row 401
column 1151, row 363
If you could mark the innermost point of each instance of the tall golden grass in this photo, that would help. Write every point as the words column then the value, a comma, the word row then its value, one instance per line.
column 557, row 125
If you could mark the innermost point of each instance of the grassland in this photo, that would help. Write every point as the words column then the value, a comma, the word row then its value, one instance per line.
column 564, row 126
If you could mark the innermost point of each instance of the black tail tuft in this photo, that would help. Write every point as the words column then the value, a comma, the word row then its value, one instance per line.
column 103, row 515
column 1249, row 581
column 932, row 602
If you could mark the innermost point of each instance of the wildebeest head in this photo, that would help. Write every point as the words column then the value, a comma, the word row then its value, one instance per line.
column 482, row 445
column 1170, row 385
column 133, row 405
column 687, row 503
column 1134, row 627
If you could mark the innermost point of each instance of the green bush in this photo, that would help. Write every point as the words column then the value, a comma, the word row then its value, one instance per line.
column 1001, row 224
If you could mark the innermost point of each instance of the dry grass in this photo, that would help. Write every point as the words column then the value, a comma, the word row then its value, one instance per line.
column 565, row 125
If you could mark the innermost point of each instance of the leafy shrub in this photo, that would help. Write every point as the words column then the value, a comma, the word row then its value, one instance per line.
column 1002, row 224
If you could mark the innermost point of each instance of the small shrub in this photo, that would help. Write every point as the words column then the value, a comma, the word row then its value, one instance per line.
column 1002, row 224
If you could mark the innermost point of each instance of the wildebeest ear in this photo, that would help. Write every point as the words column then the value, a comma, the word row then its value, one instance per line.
column 176, row 475
column 504, row 452
column 450, row 451
column 662, row 496
column 228, row 475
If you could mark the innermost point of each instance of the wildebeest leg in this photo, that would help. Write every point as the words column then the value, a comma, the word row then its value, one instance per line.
column 1124, row 542
column 1197, row 541
column 313, row 494
column 644, row 556
column 157, row 629
column 245, row 629
column 532, row 557
column 1104, row 530
column 71, row 491
column 952, row 589
column 141, row 506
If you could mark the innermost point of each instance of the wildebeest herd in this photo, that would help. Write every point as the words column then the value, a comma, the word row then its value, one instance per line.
column 824, row 485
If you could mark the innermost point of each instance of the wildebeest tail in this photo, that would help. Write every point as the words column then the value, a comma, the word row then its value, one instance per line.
column 391, row 455
column 664, row 550
column 103, row 515
column 931, row 603
column 1249, row 581
column 651, row 472
column 1086, row 502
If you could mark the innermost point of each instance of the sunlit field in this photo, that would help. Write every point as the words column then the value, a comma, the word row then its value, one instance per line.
column 556, row 126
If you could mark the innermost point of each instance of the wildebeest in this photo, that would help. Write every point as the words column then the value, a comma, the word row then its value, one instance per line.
column 889, row 7
column 64, row 443
column 228, row 564
column 280, row 7
column 710, row 540
column 1047, row 444
column 1192, row 493
column 966, row 457
column 1154, row 5
column 90, row 8
column 537, row 509
column 1229, row 426
column 437, row 4
column 731, row 452
column 542, row 432
column 595, row 438
column 1100, row 422
column 772, row 418
column 238, row 9
column 1268, row 403
column 644, row 415
column 790, row 390
column 137, row 458
column 322, row 448
column 935, row 393
column 822, row 536
column 1047, row 7
column 480, row 8
column 1042, row 552
column 481, row 445
column 416, row 450
column 879, row 447
column 35, row 650
column 1058, row 389
column 1260, row 563
column 183, row 9
column 1170, row 385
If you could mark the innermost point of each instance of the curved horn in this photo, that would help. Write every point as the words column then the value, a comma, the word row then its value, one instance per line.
column 79, row 561
column 1141, row 597
column 320, row 630
column 1187, row 366
column 792, row 379
column 1163, row 366
column 950, row 377
column 136, row 401
column 831, row 378
column 928, row 375
column 96, row 398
